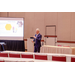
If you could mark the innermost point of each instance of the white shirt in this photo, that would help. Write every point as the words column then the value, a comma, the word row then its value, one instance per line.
column 37, row 34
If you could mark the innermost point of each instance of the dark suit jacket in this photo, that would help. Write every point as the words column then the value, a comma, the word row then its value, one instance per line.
column 37, row 40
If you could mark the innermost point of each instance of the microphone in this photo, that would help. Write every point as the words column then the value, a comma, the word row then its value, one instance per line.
column 31, row 37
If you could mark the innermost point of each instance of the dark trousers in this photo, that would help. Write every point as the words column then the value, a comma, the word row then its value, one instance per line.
column 3, row 48
column 36, row 49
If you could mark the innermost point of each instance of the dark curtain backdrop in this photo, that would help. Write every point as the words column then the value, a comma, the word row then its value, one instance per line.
column 14, row 45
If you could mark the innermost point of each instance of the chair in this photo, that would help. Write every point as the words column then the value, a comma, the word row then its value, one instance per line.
column 14, row 55
column 72, row 59
column 3, row 54
column 27, row 55
column 40, row 56
column 60, row 45
column 59, row 58
column 2, row 61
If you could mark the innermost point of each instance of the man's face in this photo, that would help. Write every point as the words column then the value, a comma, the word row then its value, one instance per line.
column 37, row 31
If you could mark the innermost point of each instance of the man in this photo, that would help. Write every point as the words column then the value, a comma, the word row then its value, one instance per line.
column 37, row 41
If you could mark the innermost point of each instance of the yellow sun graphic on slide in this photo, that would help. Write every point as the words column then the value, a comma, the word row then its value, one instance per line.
column 8, row 27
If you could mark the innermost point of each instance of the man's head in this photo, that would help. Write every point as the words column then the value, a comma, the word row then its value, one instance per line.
column 37, row 31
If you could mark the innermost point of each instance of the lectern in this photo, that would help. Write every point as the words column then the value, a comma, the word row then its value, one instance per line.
column 30, row 45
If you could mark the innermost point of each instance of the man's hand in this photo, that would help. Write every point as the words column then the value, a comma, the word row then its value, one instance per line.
column 34, row 37
column 32, row 41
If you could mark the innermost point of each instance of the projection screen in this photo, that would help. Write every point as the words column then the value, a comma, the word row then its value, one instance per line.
column 11, row 28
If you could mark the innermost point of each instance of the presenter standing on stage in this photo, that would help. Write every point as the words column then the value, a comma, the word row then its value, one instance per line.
column 37, row 41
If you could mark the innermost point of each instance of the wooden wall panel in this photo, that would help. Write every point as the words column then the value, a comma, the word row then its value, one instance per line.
column 63, row 30
column 73, row 26
column 3, row 14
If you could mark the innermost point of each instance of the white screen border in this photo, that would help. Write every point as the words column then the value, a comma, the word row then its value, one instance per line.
column 12, row 38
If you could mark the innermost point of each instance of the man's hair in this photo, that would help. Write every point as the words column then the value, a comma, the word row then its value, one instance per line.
column 37, row 29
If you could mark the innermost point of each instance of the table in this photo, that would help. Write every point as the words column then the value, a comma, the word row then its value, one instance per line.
column 30, row 45
column 57, row 49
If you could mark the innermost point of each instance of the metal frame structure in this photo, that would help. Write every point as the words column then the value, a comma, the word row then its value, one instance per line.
column 46, row 32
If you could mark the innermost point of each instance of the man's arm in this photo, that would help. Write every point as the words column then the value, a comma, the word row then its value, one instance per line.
column 39, row 38
column 34, row 38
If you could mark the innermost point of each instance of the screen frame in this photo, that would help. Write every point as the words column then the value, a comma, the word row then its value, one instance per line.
column 23, row 23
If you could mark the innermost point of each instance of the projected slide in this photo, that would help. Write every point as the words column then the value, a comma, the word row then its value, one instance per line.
column 11, row 28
